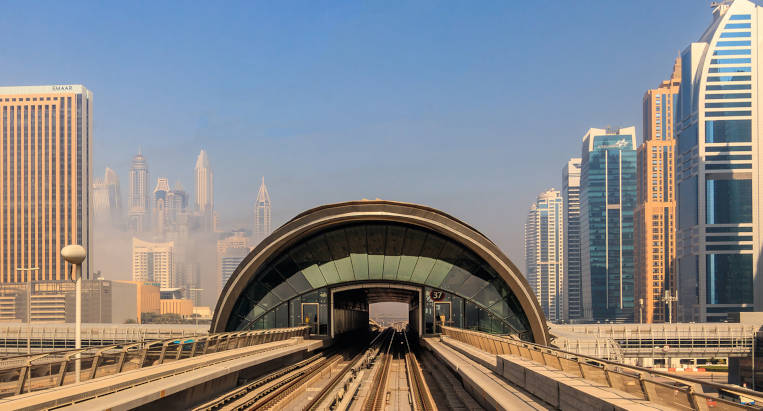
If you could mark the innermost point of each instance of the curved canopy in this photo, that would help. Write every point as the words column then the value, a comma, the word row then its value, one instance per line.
column 378, row 241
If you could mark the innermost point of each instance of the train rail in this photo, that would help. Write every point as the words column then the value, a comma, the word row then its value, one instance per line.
column 382, row 374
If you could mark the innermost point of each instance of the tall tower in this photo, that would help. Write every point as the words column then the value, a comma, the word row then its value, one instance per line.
column 107, row 199
column 573, row 294
column 161, row 205
column 607, row 200
column 544, row 252
column 137, row 197
column 262, row 214
column 654, row 217
column 204, row 199
column 46, row 179
column 718, row 167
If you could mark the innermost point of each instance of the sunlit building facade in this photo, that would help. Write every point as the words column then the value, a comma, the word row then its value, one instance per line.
column 46, row 179
column 607, row 201
column 718, row 170
column 572, row 304
column 544, row 252
column 655, row 225
column 153, row 262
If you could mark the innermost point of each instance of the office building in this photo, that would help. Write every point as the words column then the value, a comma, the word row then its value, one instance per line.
column 231, row 250
column 107, row 200
column 572, row 304
column 138, row 202
column 159, row 205
column 544, row 252
column 718, row 168
column 46, row 179
column 607, row 201
column 262, row 214
column 654, row 217
column 204, row 199
column 153, row 262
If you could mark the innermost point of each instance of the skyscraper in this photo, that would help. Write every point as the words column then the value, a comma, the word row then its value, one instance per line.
column 204, row 199
column 107, row 199
column 137, row 197
column 153, row 262
column 718, row 167
column 46, row 179
column 544, row 252
column 160, row 205
column 607, row 200
column 654, row 218
column 572, row 304
column 230, row 252
column 262, row 214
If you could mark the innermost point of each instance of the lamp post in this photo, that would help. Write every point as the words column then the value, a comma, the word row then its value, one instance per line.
column 75, row 255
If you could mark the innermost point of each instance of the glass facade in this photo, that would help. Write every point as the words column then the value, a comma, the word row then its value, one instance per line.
column 608, row 187
column 728, row 201
column 374, row 251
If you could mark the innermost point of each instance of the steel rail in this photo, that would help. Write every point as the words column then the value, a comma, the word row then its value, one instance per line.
column 422, row 397
column 375, row 400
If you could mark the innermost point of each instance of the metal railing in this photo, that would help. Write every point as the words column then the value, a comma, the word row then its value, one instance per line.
column 34, row 372
column 650, row 385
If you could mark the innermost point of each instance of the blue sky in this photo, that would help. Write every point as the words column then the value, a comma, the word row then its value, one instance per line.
column 469, row 107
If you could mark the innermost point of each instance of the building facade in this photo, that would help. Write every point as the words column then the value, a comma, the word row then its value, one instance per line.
column 655, row 215
column 262, row 214
column 138, row 203
column 544, row 252
column 204, row 195
column 107, row 199
column 607, row 201
column 230, row 252
column 46, row 151
column 572, row 304
column 718, row 168
column 153, row 262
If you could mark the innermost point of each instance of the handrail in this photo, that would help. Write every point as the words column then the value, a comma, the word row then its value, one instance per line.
column 604, row 371
column 34, row 372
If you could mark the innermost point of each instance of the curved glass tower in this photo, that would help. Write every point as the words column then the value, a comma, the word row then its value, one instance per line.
column 717, row 167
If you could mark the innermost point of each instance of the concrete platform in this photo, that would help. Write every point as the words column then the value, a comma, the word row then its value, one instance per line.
column 482, row 382
column 192, row 380
column 554, row 388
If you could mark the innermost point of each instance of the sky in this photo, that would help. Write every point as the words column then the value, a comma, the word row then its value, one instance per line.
column 469, row 107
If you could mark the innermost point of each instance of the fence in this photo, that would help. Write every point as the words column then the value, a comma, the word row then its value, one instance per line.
column 654, row 386
column 34, row 372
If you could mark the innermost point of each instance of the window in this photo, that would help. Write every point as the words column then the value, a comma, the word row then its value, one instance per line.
column 727, row 113
column 734, row 43
column 728, row 131
column 729, row 201
column 729, row 279
column 728, row 87
column 732, row 104
column 740, row 17
column 727, row 96
column 729, row 70
column 729, row 78
column 735, row 34
column 737, row 26
column 730, row 61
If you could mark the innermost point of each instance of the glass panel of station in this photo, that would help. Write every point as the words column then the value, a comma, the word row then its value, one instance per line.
column 283, row 289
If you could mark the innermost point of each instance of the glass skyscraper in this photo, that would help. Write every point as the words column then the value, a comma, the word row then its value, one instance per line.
column 717, row 168
column 544, row 252
column 572, row 305
column 608, row 197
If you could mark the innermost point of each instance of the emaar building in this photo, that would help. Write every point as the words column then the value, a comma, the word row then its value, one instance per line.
column 717, row 168
column 607, row 201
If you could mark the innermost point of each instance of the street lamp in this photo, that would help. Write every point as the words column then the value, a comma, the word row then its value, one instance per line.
column 75, row 255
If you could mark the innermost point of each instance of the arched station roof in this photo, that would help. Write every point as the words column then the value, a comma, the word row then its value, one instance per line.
column 372, row 241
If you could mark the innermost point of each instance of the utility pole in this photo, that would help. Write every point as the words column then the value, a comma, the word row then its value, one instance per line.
column 669, row 299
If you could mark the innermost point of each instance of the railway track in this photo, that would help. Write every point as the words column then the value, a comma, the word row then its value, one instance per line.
column 382, row 374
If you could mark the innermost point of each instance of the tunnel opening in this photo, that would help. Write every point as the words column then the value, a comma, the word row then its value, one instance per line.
column 351, row 305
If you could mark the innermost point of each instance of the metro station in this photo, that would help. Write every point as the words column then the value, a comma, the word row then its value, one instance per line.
column 325, row 266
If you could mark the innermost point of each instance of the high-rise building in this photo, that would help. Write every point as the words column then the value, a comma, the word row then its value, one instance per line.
column 153, row 262
column 718, row 167
column 607, row 201
column 262, row 214
column 572, row 305
column 137, row 198
column 46, row 178
column 204, row 199
column 160, row 204
column 107, row 200
column 544, row 252
column 230, row 252
column 654, row 217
